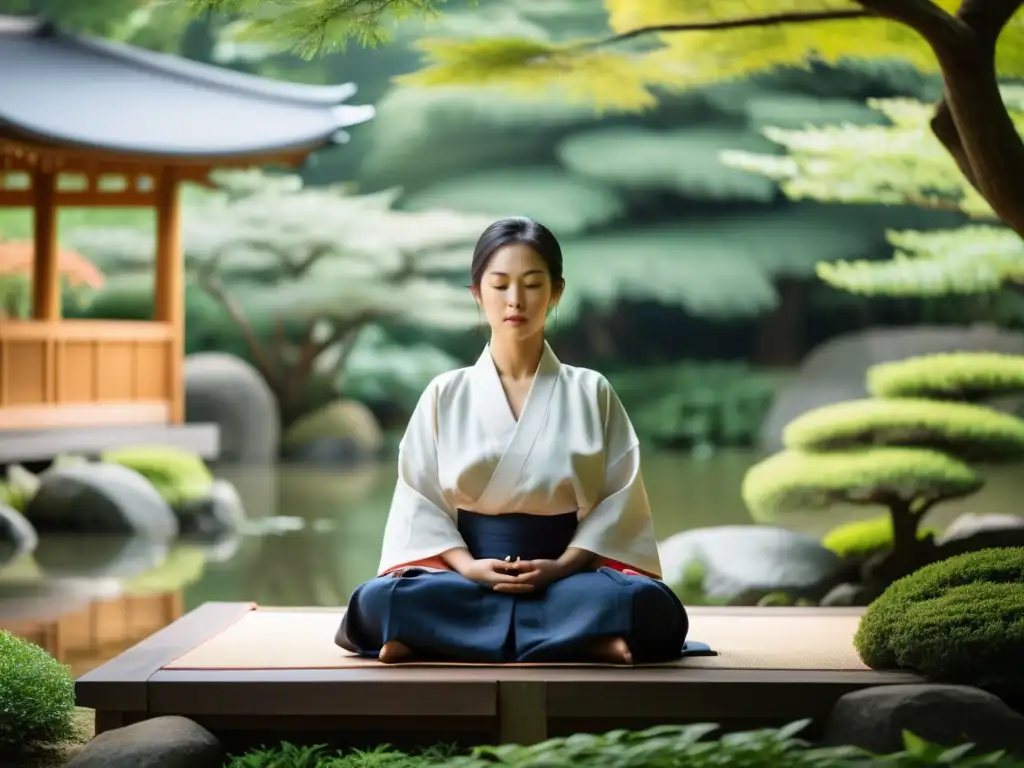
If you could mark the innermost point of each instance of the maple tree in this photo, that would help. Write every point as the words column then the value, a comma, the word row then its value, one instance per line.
column 679, row 44
column 899, row 163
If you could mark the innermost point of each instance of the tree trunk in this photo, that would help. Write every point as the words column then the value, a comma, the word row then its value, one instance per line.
column 906, row 549
column 780, row 335
column 972, row 121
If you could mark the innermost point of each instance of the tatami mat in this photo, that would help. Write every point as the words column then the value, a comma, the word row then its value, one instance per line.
column 297, row 639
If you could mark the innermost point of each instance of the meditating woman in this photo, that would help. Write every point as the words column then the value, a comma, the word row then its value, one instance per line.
column 520, row 529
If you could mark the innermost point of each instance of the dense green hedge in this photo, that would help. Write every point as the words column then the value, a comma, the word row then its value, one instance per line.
column 960, row 620
column 37, row 696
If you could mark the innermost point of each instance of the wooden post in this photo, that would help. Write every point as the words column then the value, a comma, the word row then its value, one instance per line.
column 169, row 299
column 45, row 265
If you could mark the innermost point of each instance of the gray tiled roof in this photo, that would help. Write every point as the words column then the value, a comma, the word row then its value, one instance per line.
column 73, row 90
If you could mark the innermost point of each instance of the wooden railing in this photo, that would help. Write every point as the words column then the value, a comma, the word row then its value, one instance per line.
column 79, row 373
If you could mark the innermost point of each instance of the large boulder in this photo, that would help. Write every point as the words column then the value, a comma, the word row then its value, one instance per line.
column 836, row 371
column 227, row 391
column 100, row 498
column 949, row 715
column 161, row 742
column 748, row 561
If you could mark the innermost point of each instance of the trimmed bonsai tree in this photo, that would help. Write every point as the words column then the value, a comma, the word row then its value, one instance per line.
column 956, row 621
column 899, row 450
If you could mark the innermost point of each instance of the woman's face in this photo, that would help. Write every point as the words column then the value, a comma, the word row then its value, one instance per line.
column 516, row 292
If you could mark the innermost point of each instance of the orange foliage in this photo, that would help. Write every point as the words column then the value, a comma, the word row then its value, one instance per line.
column 17, row 257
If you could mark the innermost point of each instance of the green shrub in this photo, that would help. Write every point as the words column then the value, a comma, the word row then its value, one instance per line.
column 863, row 538
column 960, row 620
column 37, row 696
column 669, row 746
column 971, row 432
column 703, row 405
column 177, row 475
column 794, row 480
column 949, row 376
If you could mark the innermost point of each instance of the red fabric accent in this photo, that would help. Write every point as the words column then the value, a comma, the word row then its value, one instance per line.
column 438, row 562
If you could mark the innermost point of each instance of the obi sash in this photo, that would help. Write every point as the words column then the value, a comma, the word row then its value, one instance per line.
column 517, row 535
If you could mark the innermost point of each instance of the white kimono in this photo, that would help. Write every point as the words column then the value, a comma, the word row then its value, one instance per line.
column 572, row 450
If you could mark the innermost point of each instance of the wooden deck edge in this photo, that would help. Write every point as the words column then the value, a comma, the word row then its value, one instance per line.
column 120, row 684
column 45, row 444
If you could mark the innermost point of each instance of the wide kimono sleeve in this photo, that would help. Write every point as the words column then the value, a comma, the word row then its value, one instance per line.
column 421, row 523
column 618, row 528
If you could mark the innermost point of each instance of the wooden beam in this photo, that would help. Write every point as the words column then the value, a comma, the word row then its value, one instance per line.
column 15, row 198
column 45, row 267
column 169, row 299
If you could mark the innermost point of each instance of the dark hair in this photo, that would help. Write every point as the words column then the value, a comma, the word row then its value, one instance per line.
column 513, row 230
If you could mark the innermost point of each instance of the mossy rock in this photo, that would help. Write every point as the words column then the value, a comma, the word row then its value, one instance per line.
column 949, row 376
column 960, row 621
column 970, row 432
column 863, row 538
column 179, row 476
column 37, row 696
column 340, row 420
column 795, row 480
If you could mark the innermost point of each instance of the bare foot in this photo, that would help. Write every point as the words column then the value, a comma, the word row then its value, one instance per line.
column 394, row 652
column 612, row 650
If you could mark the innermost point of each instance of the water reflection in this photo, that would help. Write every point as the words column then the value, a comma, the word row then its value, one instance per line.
column 312, row 535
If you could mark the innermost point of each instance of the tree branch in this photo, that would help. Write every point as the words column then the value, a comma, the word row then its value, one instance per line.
column 752, row 21
column 986, row 140
column 986, row 24
column 938, row 28
column 215, row 289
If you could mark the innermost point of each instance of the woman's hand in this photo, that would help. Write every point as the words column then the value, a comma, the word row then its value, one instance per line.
column 496, row 574
column 532, row 573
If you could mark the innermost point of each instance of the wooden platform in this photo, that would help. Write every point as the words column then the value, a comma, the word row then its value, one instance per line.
column 240, row 669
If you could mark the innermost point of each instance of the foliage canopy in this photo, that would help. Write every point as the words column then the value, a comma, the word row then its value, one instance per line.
column 791, row 480
column 949, row 376
column 900, row 163
column 969, row 432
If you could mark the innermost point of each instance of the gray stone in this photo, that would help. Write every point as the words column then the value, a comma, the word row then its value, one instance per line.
column 875, row 718
column 16, row 533
column 217, row 513
column 225, row 390
column 970, row 524
column 162, row 742
column 845, row 595
column 836, row 370
column 748, row 559
column 101, row 499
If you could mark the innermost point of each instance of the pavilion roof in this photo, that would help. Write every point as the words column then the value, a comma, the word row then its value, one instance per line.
column 74, row 91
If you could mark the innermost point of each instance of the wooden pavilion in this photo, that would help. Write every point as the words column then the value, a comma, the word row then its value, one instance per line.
column 86, row 122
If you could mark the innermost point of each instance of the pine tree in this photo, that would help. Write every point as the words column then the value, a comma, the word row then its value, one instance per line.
column 673, row 44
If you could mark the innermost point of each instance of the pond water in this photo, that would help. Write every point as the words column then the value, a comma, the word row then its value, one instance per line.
column 314, row 534
column 322, row 530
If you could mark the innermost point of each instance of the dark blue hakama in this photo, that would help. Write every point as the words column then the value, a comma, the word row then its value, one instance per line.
column 444, row 616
